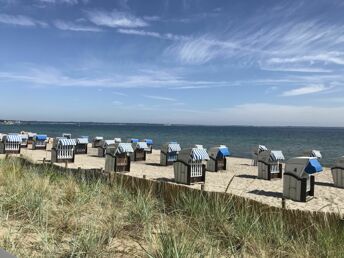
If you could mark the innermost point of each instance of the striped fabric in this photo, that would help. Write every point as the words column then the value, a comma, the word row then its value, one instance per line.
column 124, row 148
column 276, row 156
column 262, row 148
column 82, row 140
column 174, row 147
column 13, row 138
column 316, row 154
column 67, row 142
column 199, row 154
column 109, row 142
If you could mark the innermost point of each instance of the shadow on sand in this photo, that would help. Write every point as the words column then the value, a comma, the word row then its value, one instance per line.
column 247, row 176
column 267, row 193
column 165, row 179
column 154, row 164
column 324, row 184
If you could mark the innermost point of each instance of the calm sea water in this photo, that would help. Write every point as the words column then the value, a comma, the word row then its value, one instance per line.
column 240, row 139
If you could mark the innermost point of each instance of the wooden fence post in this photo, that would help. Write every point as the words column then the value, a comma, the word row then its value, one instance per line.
column 202, row 187
column 283, row 203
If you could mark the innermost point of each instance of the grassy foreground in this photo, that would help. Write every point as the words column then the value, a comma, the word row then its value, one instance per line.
column 43, row 214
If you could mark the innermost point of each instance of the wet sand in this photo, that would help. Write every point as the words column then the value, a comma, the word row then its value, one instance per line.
column 327, row 198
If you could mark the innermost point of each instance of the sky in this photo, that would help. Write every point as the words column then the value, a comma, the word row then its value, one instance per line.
column 215, row 62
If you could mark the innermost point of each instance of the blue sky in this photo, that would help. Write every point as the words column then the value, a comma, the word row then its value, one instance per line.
column 173, row 61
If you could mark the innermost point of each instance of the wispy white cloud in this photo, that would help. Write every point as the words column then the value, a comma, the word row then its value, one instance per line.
column 116, row 102
column 119, row 93
column 330, row 57
column 140, row 33
column 168, row 36
column 46, row 76
column 306, row 90
column 297, row 69
column 196, row 50
column 162, row 98
column 21, row 20
column 152, row 18
column 115, row 19
column 69, row 2
column 63, row 25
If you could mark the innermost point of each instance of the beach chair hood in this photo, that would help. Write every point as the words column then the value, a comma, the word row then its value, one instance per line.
column 276, row 155
column 148, row 141
column 193, row 154
column 219, row 152
column 82, row 140
column 66, row 142
column 141, row 146
column 41, row 137
column 13, row 138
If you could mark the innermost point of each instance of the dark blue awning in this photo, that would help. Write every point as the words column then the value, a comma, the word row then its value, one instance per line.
column 313, row 167
column 149, row 141
column 41, row 137
column 223, row 152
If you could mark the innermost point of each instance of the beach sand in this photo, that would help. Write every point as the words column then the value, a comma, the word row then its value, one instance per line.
column 327, row 198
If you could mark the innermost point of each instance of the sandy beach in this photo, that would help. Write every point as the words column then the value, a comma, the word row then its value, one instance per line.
column 327, row 198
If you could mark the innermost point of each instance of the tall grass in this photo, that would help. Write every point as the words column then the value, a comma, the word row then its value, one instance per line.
column 47, row 214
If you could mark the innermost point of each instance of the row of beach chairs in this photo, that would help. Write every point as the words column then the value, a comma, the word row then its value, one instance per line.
column 190, row 164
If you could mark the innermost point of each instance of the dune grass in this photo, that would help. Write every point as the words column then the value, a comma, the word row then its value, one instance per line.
column 44, row 214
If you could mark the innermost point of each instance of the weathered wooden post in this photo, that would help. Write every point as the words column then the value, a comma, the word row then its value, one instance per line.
column 283, row 203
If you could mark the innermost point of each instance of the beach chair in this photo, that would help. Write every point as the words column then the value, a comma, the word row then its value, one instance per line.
column 30, row 137
column 338, row 173
column 25, row 138
column 103, row 147
column 298, row 178
column 140, row 151
column 81, row 145
column 149, row 144
column 189, row 167
column 117, row 157
column 97, row 141
column 269, row 164
column 217, row 158
column 39, row 142
column 10, row 144
column 255, row 153
column 63, row 150
column 169, row 153
column 118, row 140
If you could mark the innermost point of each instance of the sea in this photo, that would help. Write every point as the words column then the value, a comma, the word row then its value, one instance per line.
column 293, row 141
